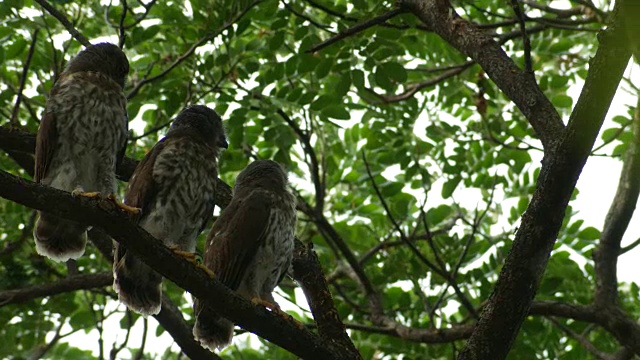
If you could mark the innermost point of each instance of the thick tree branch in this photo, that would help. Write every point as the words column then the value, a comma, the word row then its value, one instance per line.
column 104, row 213
column 517, row 84
column 620, row 212
column 525, row 264
column 307, row 270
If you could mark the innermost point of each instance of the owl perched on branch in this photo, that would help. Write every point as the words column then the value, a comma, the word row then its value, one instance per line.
column 81, row 140
column 174, row 186
column 250, row 246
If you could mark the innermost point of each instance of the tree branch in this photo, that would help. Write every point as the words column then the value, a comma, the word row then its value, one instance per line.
column 23, row 80
column 617, row 221
column 65, row 22
column 307, row 270
column 518, row 85
column 105, row 214
column 190, row 51
column 356, row 29
column 73, row 283
column 520, row 277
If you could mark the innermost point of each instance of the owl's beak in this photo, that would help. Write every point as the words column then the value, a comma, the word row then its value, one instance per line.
column 223, row 143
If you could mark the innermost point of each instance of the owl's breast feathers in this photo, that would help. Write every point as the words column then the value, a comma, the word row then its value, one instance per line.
column 90, row 112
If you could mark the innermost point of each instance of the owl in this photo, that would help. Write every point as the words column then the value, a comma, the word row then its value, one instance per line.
column 249, row 248
column 174, row 186
column 81, row 140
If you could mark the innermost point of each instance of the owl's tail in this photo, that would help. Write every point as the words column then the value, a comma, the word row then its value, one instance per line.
column 211, row 330
column 59, row 239
column 138, row 286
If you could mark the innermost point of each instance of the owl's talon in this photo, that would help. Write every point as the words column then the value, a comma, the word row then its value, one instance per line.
column 207, row 270
column 124, row 207
column 267, row 304
column 80, row 192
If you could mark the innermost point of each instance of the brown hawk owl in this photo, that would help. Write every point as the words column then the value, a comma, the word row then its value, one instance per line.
column 81, row 140
column 174, row 185
column 250, row 246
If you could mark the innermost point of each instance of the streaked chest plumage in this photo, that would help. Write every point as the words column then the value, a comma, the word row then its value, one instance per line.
column 185, row 174
column 90, row 114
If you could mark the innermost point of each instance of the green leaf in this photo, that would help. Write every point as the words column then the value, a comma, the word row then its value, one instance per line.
column 336, row 112
column 589, row 233
column 562, row 101
column 450, row 186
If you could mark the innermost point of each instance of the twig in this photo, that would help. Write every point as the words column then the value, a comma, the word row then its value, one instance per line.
column 122, row 36
column 145, row 331
column 115, row 349
column 438, row 270
column 65, row 22
column 629, row 247
column 305, row 17
column 23, row 80
column 412, row 89
column 356, row 29
column 580, row 339
column 191, row 50
column 517, row 9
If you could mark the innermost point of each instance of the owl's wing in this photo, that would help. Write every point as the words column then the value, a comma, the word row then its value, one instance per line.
column 123, row 146
column 236, row 236
column 142, row 188
column 46, row 141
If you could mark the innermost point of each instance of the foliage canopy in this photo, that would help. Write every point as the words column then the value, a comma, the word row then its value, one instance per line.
column 413, row 161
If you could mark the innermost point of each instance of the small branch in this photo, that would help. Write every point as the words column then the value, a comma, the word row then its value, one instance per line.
column 440, row 271
column 629, row 247
column 65, row 22
column 23, row 80
column 580, row 339
column 191, row 50
column 72, row 283
column 517, row 9
column 412, row 89
column 356, row 29
column 122, row 36
column 305, row 17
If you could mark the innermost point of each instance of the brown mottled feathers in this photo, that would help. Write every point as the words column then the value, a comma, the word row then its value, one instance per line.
column 239, row 244
column 142, row 188
column 45, row 144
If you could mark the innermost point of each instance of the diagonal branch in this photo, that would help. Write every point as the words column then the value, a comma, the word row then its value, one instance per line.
column 191, row 50
column 65, row 22
column 517, row 84
column 356, row 29
column 307, row 270
column 105, row 214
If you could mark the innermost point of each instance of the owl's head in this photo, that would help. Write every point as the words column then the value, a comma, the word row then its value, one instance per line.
column 206, row 122
column 104, row 58
column 263, row 173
